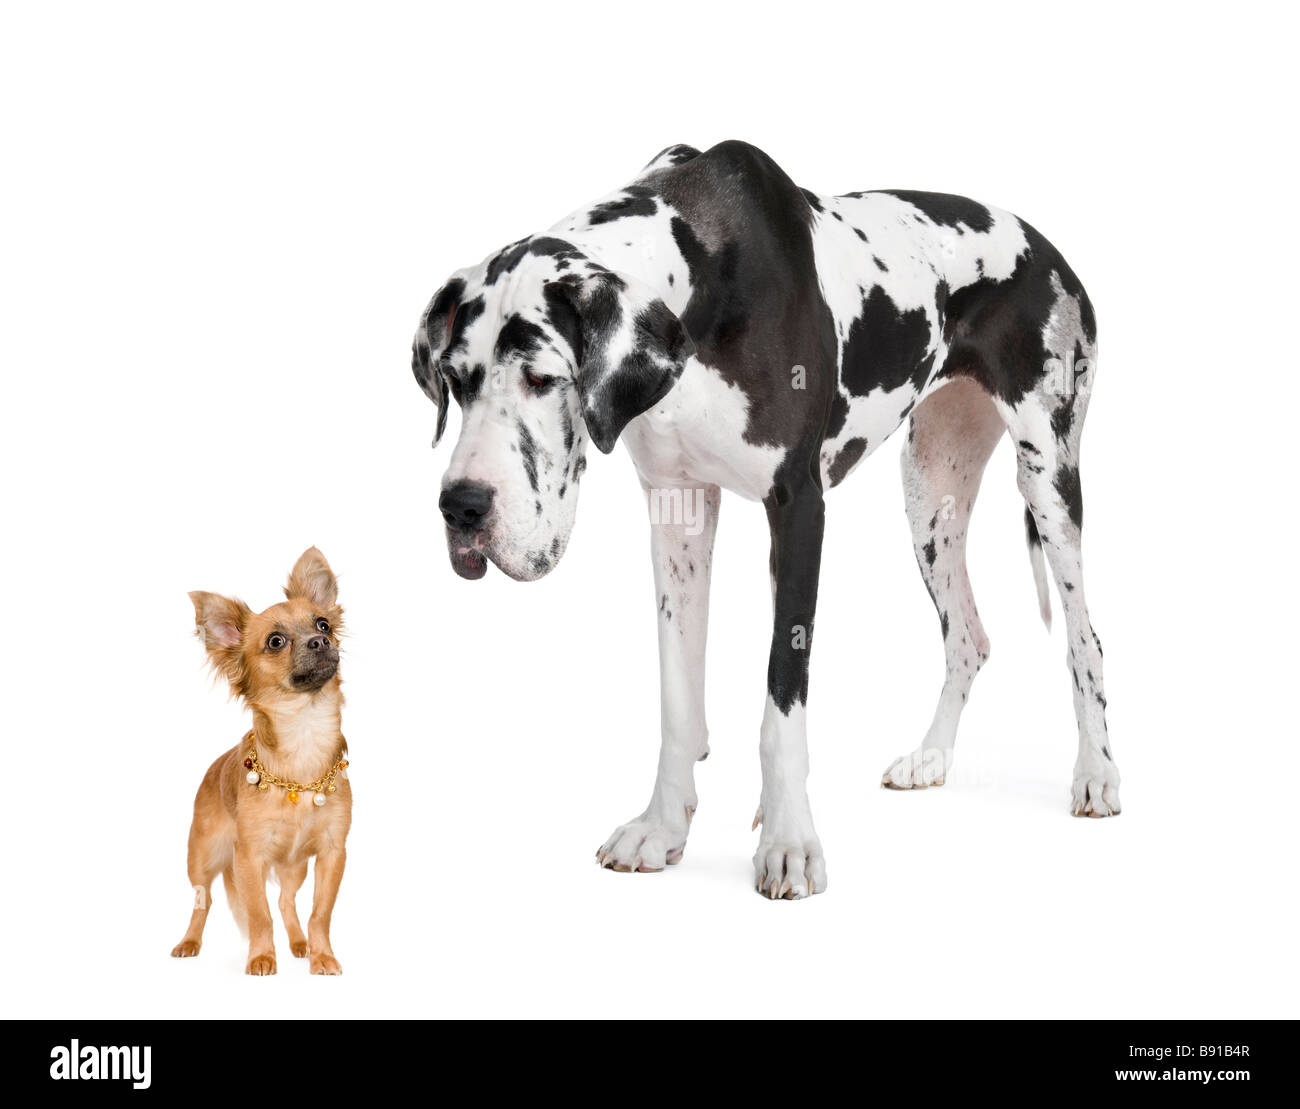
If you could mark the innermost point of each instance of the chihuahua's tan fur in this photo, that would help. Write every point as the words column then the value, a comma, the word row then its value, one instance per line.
column 284, row 664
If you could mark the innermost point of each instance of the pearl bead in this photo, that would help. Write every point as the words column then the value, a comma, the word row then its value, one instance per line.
column 253, row 777
column 319, row 799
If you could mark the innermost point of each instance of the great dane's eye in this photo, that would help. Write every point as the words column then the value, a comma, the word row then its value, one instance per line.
column 276, row 642
column 322, row 625
column 537, row 381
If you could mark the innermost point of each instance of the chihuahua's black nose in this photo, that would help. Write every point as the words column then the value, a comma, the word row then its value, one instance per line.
column 318, row 643
column 465, row 505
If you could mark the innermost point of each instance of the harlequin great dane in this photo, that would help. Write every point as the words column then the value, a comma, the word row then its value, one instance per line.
column 738, row 332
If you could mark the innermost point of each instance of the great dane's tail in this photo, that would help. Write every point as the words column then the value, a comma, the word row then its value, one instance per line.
column 1040, row 568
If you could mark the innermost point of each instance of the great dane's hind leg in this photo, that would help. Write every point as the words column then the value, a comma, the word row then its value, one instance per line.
column 789, row 862
column 953, row 433
column 1046, row 428
column 683, row 523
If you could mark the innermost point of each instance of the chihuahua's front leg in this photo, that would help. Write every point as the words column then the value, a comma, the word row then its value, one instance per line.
column 329, row 873
column 683, row 522
column 250, row 880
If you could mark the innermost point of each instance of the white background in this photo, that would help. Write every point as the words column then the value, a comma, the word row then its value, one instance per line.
column 220, row 227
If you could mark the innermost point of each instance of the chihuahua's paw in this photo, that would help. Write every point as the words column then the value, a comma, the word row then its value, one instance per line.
column 647, row 844
column 299, row 949
column 186, row 949
column 260, row 965
column 325, row 964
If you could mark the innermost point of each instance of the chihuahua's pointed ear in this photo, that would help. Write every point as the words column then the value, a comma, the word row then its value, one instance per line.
column 220, row 623
column 432, row 338
column 313, row 579
column 629, row 348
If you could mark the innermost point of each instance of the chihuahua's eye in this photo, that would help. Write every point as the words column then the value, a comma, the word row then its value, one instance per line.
column 276, row 642
column 537, row 381
column 322, row 625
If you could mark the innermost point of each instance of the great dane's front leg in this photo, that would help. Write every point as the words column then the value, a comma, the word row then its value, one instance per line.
column 789, row 861
column 683, row 522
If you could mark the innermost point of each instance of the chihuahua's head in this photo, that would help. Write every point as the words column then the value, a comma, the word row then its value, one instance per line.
column 291, row 648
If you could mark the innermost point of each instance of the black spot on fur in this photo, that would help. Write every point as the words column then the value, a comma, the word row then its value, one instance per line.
column 528, row 451
column 637, row 200
column 839, row 415
column 995, row 328
column 519, row 336
column 885, row 348
column 756, row 307
column 464, row 316
column 1063, row 418
column 946, row 210
column 566, row 422
column 846, row 460
column 563, row 316
column 676, row 154
column 1071, row 492
column 509, row 257
column 1031, row 530
column 930, row 552
column 467, row 386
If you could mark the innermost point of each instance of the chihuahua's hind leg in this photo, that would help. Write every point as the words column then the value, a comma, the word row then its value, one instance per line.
column 193, row 939
column 292, row 876
column 209, row 853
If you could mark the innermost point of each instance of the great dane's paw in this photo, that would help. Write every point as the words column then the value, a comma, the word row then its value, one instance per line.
column 923, row 768
column 785, row 871
column 1095, row 791
column 646, row 844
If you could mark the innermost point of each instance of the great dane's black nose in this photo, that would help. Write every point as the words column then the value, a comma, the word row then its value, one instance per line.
column 465, row 505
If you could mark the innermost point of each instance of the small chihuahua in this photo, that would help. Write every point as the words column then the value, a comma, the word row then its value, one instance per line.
column 281, row 795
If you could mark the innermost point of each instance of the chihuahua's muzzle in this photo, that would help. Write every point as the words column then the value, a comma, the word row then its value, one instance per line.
column 315, row 661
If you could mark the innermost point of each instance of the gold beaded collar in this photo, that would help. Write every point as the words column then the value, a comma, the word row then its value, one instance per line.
column 259, row 776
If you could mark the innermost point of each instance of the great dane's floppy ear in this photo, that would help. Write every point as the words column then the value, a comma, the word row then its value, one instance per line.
column 429, row 344
column 628, row 347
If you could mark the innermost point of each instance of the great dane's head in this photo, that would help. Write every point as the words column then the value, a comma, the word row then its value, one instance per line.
column 542, row 348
